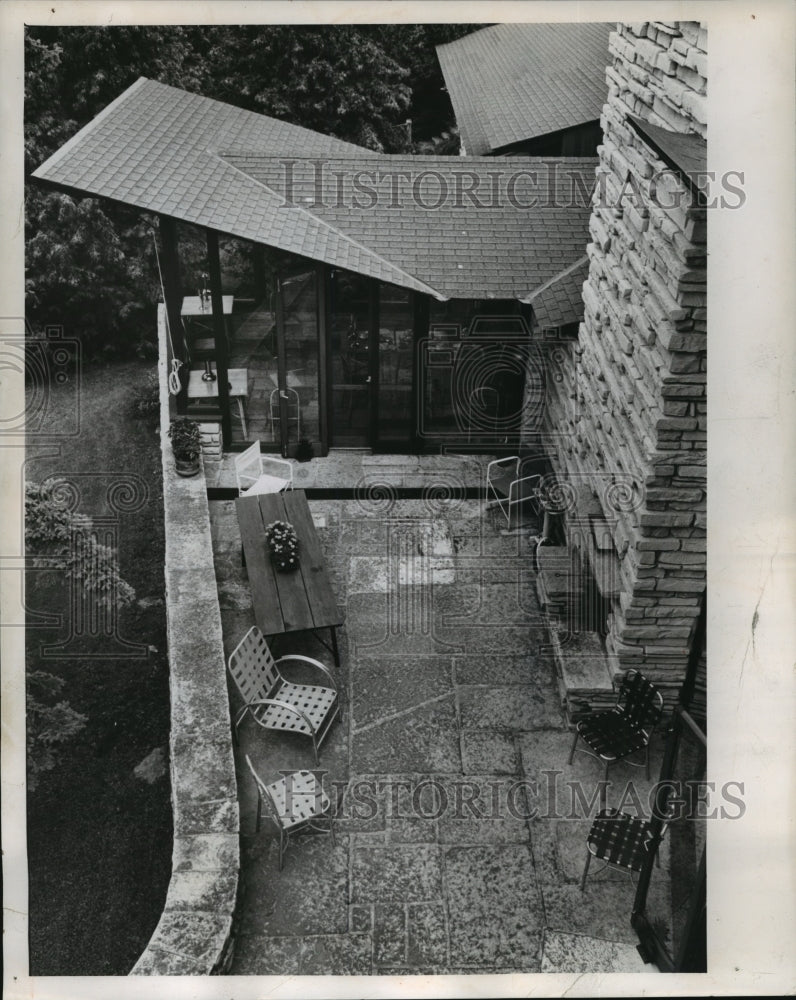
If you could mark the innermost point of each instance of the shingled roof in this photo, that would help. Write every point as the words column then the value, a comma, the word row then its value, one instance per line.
column 523, row 222
column 685, row 153
column 501, row 229
column 514, row 82
column 560, row 301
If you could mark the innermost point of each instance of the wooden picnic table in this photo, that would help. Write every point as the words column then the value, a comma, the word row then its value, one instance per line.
column 296, row 601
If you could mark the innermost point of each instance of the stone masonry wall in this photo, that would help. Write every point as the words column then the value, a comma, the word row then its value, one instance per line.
column 194, row 936
column 629, row 397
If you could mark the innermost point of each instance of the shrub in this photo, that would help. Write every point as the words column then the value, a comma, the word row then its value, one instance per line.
column 49, row 723
column 65, row 540
column 146, row 400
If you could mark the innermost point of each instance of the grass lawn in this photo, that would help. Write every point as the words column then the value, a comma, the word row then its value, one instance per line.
column 100, row 837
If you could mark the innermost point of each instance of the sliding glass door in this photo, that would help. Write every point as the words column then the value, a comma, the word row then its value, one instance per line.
column 294, row 401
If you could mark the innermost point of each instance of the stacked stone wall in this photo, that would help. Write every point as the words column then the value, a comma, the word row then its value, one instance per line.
column 629, row 397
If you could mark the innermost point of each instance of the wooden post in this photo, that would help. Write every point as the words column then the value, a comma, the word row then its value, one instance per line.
column 324, row 381
column 219, row 337
column 421, row 314
column 281, row 366
column 373, row 363
column 261, row 285
column 170, row 269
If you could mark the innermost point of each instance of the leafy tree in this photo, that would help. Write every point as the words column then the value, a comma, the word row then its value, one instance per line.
column 337, row 80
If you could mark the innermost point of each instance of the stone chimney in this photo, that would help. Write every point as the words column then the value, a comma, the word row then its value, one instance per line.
column 627, row 409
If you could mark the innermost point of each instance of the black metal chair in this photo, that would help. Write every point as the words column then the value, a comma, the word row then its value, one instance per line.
column 622, row 842
column 626, row 728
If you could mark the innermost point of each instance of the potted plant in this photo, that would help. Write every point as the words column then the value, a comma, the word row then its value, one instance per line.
column 283, row 542
column 186, row 445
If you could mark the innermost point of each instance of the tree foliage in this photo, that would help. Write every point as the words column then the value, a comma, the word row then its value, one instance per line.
column 64, row 539
column 338, row 80
column 50, row 722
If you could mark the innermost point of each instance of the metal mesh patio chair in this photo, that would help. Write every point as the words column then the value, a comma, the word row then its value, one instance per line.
column 621, row 841
column 296, row 802
column 626, row 728
column 251, row 477
column 275, row 703
column 508, row 489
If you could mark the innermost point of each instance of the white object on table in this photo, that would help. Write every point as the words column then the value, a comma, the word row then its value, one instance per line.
column 238, row 379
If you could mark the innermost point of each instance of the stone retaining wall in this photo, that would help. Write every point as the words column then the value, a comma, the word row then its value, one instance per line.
column 629, row 397
column 193, row 937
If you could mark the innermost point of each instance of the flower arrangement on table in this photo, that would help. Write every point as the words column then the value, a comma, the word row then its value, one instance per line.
column 283, row 542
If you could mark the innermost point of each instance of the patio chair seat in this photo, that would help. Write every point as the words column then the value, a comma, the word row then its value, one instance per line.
column 314, row 701
column 265, row 484
column 619, row 732
column 621, row 841
column 274, row 701
column 253, row 480
column 295, row 802
column 611, row 736
column 305, row 801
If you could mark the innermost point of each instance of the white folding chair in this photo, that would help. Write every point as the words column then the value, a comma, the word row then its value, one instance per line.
column 251, row 475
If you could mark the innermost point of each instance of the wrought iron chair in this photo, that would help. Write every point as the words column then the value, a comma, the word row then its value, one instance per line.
column 626, row 728
column 276, row 703
column 508, row 489
column 296, row 802
column 251, row 477
column 622, row 842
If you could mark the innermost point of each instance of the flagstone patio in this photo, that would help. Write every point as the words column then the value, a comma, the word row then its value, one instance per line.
column 452, row 853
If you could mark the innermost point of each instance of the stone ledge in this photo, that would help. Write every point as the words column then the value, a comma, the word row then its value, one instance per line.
column 194, row 934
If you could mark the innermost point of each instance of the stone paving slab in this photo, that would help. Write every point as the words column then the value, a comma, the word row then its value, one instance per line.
column 396, row 624
column 521, row 707
column 423, row 739
column 270, row 904
column 602, row 909
column 493, row 906
column 383, row 686
column 503, row 669
column 579, row 953
column 481, row 809
column 395, row 874
column 389, row 934
column 490, row 603
column 426, row 942
column 485, row 750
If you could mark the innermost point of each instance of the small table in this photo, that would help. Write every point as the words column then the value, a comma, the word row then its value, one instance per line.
column 298, row 601
column 238, row 379
column 193, row 306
